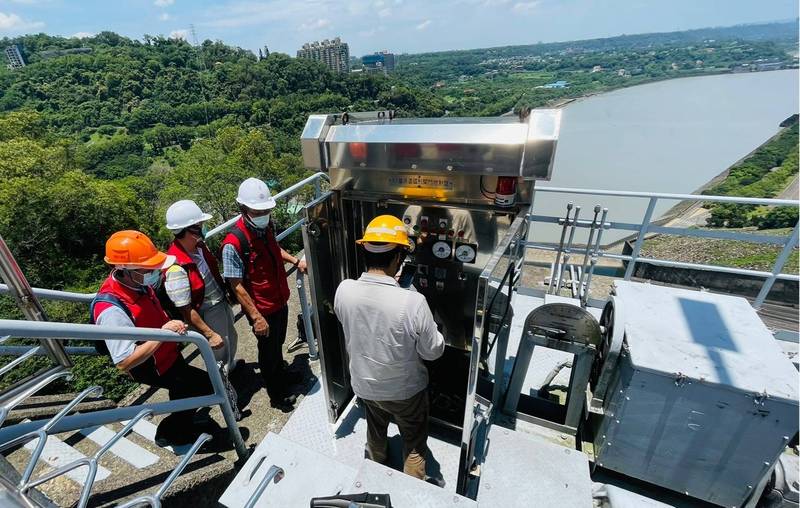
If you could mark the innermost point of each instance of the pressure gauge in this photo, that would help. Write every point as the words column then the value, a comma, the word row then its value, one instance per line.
column 465, row 253
column 442, row 250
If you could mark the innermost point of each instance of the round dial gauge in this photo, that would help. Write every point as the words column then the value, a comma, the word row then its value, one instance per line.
column 442, row 250
column 465, row 253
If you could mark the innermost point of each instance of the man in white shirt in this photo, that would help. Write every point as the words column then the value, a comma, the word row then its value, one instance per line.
column 389, row 331
column 126, row 298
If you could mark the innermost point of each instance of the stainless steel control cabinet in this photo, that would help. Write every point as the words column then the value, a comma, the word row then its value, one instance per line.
column 703, row 402
column 463, row 188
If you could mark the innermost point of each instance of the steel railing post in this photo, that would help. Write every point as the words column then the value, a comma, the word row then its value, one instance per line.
column 311, row 340
column 791, row 241
column 648, row 215
column 220, row 391
column 27, row 301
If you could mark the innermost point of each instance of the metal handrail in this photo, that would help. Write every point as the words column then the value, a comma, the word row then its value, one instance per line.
column 274, row 474
column 670, row 196
column 282, row 194
column 154, row 500
column 646, row 226
column 27, row 483
column 51, row 330
column 71, row 296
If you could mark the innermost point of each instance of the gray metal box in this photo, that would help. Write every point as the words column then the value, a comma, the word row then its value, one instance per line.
column 703, row 401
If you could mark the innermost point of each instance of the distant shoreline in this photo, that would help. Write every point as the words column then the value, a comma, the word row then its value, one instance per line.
column 565, row 101
column 685, row 207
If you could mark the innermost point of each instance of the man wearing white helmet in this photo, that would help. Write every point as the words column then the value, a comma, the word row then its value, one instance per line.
column 194, row 284
column 253, row 265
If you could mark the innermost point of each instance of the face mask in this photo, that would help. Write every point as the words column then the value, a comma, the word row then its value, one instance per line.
column 260, row 222
column 152, row 278
column 199, row 232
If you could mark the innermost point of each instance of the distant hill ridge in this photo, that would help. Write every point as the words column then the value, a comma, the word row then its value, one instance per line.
column 773, row 31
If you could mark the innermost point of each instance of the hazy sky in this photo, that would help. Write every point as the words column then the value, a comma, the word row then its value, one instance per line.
column 368, row 25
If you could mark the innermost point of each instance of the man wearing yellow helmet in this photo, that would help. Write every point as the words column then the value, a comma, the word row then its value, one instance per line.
column 389, row 331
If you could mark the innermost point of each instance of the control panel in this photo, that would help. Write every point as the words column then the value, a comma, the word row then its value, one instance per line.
column 443, row 251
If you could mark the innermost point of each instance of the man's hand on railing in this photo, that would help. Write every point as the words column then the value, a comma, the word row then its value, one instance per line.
column 302, row 265
column 176, row 326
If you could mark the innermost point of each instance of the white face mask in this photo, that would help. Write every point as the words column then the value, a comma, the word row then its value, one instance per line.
column 260, row 222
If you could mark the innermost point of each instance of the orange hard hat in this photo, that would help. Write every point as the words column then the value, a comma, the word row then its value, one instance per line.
column 133, row 249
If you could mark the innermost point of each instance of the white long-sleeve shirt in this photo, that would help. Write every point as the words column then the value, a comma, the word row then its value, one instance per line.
column 388, row 332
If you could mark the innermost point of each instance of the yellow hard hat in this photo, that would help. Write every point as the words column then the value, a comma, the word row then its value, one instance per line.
column 387, row 230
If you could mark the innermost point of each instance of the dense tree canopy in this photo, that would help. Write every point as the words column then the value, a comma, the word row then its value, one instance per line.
column 105, row 138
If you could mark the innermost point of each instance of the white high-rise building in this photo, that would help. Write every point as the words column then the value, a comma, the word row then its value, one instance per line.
column 333, row 53
column 15, row 60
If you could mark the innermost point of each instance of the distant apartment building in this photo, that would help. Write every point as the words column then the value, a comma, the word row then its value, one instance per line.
column 15, row 60
column 335, row 54
column 382, row 61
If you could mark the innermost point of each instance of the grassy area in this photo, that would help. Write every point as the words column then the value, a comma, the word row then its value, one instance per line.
column 763, row 174
column 733, row 253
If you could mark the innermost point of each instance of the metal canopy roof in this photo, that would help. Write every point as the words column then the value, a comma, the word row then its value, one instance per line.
column 500, row 146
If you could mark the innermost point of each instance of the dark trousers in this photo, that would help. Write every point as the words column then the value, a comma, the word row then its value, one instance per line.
column 182, row 381
column 411, row 417
column 270, row 355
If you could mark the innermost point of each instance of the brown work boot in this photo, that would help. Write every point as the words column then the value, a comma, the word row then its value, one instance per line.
column 415, row 465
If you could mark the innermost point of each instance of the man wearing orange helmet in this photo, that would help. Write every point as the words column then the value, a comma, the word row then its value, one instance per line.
column 126, row 298
column 388, row 332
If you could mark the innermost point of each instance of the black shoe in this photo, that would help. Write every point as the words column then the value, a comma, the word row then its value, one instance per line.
column 286, row 404
column 439, row 482
column 209, row 427
column 294, row 378
column 286, row 408
column 164, row 439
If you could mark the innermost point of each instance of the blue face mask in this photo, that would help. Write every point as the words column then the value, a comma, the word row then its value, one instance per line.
column 152, row 279
column 260, row 222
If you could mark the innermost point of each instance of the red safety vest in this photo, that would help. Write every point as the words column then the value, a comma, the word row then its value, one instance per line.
column 146, row 312
column 266, row 276
column 196, row 283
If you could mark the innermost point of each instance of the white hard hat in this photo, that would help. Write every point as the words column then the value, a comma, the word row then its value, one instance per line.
column 253, row 193
column 184, row 213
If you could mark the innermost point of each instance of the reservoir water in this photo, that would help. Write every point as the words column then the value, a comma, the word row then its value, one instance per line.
column 670, row 136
